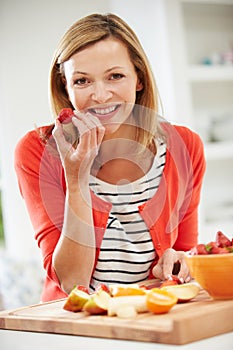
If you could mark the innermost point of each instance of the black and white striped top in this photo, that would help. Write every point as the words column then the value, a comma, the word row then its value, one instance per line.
column 127, row 250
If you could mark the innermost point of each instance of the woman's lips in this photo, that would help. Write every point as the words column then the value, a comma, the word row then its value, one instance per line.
column 104, row 113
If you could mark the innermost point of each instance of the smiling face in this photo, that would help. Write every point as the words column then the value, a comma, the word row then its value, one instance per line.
column 102, row 81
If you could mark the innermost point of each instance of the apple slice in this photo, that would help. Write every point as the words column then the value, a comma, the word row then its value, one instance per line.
column 138, row 302
column 183, row 292
column 126, row 312
column 76, row 300
column 97, row 303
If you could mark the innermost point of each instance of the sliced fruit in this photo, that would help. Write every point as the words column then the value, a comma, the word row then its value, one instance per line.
column 211, row 246
column 144, row 287
column 83, row 288
column 183, row 292
column 176, row 279
column 76, row 300
column 160, row 301
column 127, row 312
column 168, row 283
column 221, row 245
column 201, row 249
column 97, row 303
column 219, row 250
column 119, row 290
column 102, row 286
column 116, row 304
column 222, row 240
column 171, row 282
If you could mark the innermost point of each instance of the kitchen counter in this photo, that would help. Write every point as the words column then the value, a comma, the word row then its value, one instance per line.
column 42, row 341
column 202, row 323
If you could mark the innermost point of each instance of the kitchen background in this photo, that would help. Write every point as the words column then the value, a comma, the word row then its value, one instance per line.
column 190, row 47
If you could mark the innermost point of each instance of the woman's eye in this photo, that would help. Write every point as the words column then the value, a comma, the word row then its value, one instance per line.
column 117, row 76
column 81, row 81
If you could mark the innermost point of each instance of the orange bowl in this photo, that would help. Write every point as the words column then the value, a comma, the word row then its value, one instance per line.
column 214, row 273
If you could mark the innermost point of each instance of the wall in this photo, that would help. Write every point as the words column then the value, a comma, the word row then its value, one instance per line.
column 29, row 32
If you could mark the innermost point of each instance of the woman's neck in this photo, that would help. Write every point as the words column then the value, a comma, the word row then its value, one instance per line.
column 121, row 159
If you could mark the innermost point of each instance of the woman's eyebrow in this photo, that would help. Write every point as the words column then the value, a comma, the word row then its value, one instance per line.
column 112, row 68
column 107, row 71
column 79, row 72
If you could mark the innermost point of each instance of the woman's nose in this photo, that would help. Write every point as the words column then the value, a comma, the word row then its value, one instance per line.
column 101, row 92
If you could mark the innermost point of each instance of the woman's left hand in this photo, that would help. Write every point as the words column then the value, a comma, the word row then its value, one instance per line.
column 163, row 269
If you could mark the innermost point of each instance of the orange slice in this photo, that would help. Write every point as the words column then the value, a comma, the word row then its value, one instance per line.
column 160, row 301
column 123, row 291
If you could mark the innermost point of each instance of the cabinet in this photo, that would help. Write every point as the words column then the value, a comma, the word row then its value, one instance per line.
column 201, row 42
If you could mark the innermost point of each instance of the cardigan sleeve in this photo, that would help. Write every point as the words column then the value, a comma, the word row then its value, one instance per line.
column 41, row 183
column 195, row 165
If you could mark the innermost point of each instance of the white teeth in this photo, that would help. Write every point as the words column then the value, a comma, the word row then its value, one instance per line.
column 103, row 111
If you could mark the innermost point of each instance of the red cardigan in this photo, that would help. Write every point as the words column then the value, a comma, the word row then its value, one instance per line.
column 171, row 215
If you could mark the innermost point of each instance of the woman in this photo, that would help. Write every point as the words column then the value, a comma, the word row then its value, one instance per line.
column 119, row 204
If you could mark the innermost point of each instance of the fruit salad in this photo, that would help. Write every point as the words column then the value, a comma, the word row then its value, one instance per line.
column 126, row 301
column 221, row 245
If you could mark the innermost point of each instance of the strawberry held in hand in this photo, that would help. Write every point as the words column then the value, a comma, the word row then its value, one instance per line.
column 65, row 115
column 70, row 131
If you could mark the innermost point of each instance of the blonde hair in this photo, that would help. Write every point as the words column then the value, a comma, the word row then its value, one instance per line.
column 86, row 32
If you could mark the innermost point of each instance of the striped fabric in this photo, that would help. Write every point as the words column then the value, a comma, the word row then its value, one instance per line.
column 127, row 250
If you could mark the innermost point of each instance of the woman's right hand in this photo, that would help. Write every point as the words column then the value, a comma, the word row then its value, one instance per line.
column 77, row 160
column 164, row 268
column 74, row 255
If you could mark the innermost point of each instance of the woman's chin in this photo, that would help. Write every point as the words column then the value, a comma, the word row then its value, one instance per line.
column 111, row 128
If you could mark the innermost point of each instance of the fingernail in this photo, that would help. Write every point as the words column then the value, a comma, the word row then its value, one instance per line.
column 181, row 279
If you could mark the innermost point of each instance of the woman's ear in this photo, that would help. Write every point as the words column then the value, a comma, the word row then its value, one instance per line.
column 139, row 85
column 63, row 79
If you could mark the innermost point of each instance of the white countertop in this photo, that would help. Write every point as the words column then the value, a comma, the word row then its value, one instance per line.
column 42, row 341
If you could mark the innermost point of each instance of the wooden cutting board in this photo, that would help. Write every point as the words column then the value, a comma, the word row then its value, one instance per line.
column 198, row 319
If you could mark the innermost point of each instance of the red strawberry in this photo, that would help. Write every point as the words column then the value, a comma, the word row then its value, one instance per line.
column 102, row 286
column 223, row 250
column 222, row 240
column 65, row 115
column 201, row 249
column 168, row 283
column 219, row 250
column 210, row 246
column 142, row 286
column 176, row 279
column 83, row 288
column 171, row 282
